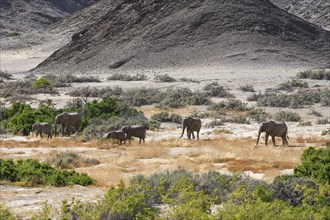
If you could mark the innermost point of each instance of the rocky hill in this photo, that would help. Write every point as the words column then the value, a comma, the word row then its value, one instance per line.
column 148, row 34
column 22, row 16
column 314, row 11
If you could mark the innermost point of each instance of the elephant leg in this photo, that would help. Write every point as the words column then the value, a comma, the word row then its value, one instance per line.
column 283, row 140
column 266, row 138
column 273, row 139
column 197, row 135
column 40, row 134
column 193, row 136
column 62, row 128
column 37, row 133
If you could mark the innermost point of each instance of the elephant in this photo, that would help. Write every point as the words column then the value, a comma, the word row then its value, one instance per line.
column 274, row 129
column 68, row 120
column 138, row 131
column 42, row 127
column 117, row 135
column 192, row 124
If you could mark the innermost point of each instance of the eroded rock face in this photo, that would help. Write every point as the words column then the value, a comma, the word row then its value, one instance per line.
column 198, row 32
column 314, row 11
column 22, row 16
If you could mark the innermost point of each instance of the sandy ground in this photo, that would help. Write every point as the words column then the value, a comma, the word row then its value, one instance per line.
column 163, row 150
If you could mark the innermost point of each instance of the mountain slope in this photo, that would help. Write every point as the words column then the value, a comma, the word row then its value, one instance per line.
column 153, row 33
column 314, row 11
column 27, row 15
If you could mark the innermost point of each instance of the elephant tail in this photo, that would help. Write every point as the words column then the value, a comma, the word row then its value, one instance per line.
column 183, row 128
column 287, row 136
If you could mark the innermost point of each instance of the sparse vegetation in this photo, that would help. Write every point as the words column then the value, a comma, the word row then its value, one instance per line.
column 287, row 116
column 295, row 100
column 126, row 77
column 166, row 117
column 247, row 88
column 164, row 78
column 221, row 131
column 69, row 160
column 188, row 80
column 292, row 85
column 215, row 90
column 32, row 172
column 65, row 80
column 5, row 75
column 323, row 121
column 305, row 123
column 231, row 104
column 325, row 132
column 214, row 123
column 258, row 114
column 314, row 112
column 317, row 74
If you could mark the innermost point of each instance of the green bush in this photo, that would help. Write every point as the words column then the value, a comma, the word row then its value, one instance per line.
column 287, row 116
column 5, row 214
column 305, row 123
column 315, row 163
column 33, row 172
column 41, row 83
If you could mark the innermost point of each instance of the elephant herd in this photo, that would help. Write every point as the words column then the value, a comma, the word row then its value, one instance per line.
column 190, row 125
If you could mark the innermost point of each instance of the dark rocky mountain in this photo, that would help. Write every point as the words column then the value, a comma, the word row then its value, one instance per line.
column 21, row 16
column 314, row 11
column 153, row 33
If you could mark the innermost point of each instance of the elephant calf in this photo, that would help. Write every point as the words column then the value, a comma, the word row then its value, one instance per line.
column 117, row 135
column 42, row 127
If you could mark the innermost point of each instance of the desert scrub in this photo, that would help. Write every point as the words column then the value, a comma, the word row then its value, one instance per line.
column 69, row 160
column 166, row 117
column 315, row 164
column 188, row 80
column 287, row 116
column 292, row 85
column 237, row 119
column 323, row 121
column 143, row 96
column 314, row 112
column 318, row 74
column 176, row 98
column 295, row 100
column 65, row 80
column 164, row 78
column 214, row 123
column 222, row 131
column 325, row 132
column 305, row 123
column 87, row 92
column 5, row 75
column 247, row 88
column 126, row 77
column 32, row 172
column 258, row 114
column 215, row 90
column 230, row 104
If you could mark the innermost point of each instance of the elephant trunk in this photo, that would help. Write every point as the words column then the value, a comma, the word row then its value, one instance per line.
column 183, row 128
column 259, row 136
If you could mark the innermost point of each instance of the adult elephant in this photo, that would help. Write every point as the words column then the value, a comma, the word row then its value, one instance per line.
column 67, row 120
column 191, row 124
column 138, row 131
column 274, row 129
column 42, row 127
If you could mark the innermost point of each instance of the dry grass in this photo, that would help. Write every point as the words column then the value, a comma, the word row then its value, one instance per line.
column 121, row 162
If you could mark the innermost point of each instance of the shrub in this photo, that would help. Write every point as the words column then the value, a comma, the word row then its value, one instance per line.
column 247, row 88
column 188, row 80
column 305, row 123
column 125, row 77
column 214, row 123
column 33, row 172
column 166, row 117
column 323, row 121
column 292, row 84
column 325, row 132
column 287, row 116
column 315, row 163
column 5, row 75
column 254, row 97
column 238, row 119
column 222, row 131
column 231, row 104
column 215, row 90
column 314, row 112
column 258, row 114
column 86, row 92
column 6, row 214
column 143, row 96
column 164, row 78
column 68, row 159
column 41, row 83
column 318, row 74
